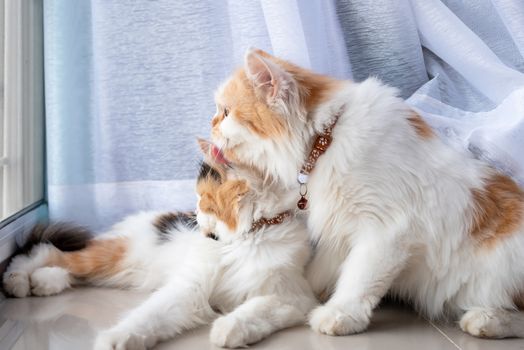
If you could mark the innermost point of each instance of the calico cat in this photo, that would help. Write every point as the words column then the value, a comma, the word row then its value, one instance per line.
column 245, row 274
column 390, row 206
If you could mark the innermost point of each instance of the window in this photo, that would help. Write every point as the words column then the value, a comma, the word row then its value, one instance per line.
column 21, row 120
column 21, row 106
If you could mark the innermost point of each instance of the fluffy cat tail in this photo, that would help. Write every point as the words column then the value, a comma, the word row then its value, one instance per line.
column 38, row 266
column 64, row 236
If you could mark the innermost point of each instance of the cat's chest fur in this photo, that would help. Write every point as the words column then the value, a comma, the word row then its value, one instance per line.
column 249, row 266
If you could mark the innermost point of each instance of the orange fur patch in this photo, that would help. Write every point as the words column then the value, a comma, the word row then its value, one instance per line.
column 316, row 88
column 207, row 189
column 102, row 258
column 222, row 200
column 421, row 127
column 313, row 88
column 498, row 209
column 240, row 97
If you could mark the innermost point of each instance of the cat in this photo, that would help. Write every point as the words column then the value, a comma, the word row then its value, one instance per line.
column 245, row 274
column 390, row 206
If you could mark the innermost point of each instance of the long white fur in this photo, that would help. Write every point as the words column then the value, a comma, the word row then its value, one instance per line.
column 254, row 279
column 387, row 210
column 250, row 284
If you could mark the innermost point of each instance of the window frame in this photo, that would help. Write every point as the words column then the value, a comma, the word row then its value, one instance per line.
column 22, row 151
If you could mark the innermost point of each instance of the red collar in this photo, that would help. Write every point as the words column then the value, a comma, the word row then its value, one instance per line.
column 320, row 147
column 276, row 220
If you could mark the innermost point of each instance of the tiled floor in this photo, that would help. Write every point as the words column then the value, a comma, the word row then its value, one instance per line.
column 71, row 320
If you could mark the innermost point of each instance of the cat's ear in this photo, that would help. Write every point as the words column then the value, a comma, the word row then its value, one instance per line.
column 212, row 154
column 269, row 79
column 205, row 145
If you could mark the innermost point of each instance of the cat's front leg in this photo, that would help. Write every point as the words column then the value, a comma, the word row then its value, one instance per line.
column 257, row 318
column 169, row 311
column 493, row 323
column 366, row 275
column 121, row 340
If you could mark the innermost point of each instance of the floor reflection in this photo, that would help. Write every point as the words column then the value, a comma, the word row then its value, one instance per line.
column 71, row 321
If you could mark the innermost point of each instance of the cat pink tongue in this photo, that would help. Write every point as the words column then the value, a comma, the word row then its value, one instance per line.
column 217, row 154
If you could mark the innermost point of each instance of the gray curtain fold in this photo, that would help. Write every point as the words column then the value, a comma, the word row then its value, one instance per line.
column 382, row 40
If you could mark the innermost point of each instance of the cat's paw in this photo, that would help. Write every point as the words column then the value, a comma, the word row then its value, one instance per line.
column 334, row 320
column 119, row 340
column 16, row 283
column 49, row 280
column 227, row 332
column 486, row 323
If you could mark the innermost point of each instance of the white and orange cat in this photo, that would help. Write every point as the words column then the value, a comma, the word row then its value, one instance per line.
column 391, row 207
column 248, row 280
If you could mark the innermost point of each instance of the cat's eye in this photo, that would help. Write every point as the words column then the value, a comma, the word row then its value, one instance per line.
column 226, row 112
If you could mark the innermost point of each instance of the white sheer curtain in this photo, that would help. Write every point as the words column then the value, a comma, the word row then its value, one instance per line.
column 129, row 83
column 476, row 96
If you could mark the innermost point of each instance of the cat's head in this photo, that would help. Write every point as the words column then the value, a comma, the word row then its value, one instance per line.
column 262, row 111
column 225, row 207
column 232, row 197
column 223, row 210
